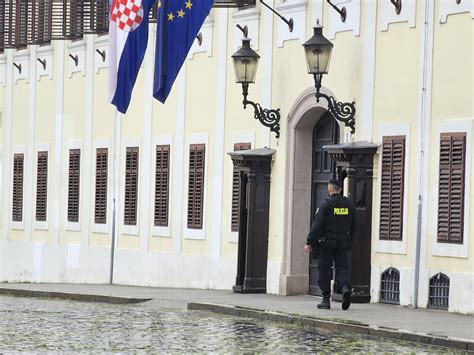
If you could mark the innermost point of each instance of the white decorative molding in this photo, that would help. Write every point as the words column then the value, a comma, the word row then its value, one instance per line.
column 41, row 225
column 102, row 228
column 21, row 58
column 3, row 70
column 450, row 7
column 393, row 246
column 450, row 249
column 238, row 137
column 196, row 138
column 251, row 19
column 389, row 15
column 76, row 49
column 18, row 149
column 74, row 226
column 207, row 32
column 296, row 10
column 101, row 44
column 156, row 230
column 45, row 54
column 128, row 229
column 352, row 22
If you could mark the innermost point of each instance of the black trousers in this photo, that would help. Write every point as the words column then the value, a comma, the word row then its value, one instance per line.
column 333, row 251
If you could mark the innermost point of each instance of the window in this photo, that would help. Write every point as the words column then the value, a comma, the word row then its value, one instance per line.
column 439, row 292
column 42, row 186
column 390, row 286
column 100, row 211
column 131, row 186
column 196, row 185
column 236, row 190
column 17, row 203
column 74, row 185
column 452, row 163
column 162, row 173
column 392, row 180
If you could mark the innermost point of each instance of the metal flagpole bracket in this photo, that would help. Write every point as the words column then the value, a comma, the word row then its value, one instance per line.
column 342, row 12
column 18, row 66
column 75, row 58
column 101, row 53
column 42, row 62
column 288, row 22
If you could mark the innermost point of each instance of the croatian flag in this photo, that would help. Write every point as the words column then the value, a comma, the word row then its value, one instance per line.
column 128, row 39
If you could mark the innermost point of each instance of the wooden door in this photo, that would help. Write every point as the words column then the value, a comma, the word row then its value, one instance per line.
column 325, row 132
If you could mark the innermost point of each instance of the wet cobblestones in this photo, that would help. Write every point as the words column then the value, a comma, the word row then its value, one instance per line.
column 39, row 325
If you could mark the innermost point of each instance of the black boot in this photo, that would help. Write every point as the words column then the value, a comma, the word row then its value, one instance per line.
column 325, row 303
column 346, row 298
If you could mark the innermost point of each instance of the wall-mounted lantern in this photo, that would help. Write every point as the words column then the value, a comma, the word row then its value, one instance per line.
column 318, row 55
column 245, row 66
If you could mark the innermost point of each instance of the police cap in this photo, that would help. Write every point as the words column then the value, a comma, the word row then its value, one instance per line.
column 336, row 183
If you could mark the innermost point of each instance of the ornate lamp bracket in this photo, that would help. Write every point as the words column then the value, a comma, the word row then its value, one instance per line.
column 268, row 117
column 342, row 111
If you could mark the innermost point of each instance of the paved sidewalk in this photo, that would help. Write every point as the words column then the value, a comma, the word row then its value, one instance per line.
column 440, row 324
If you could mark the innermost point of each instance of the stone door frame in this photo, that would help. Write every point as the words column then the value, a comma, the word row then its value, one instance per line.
column 303, row 116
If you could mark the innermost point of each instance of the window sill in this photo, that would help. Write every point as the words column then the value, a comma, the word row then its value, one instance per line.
column 162, row 232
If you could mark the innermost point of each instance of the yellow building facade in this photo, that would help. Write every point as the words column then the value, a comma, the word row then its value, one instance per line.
column 410, row 75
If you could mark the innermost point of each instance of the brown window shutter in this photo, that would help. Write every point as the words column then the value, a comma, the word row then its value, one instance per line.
column 162, row 185
column 95, row 16
column 42, row 186
column 74, row 185
column 196, row 185
column 66, row 19
column 236, row 190
column 13, row 24
column 131, row 186
column 17, row 203
column 452, row 163
column 392, row 187
column 100, row 211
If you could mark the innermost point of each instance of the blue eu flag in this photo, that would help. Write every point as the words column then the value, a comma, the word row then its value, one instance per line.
column 178, row 23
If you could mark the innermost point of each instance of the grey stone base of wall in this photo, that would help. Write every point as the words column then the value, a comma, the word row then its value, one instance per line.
column 339, row 326
column 293, row 285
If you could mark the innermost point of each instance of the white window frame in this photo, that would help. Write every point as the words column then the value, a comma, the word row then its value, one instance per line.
column 158, row 231
column 393, row 246
column 17, row 149
column 74, row 226
column 41, row 225
column 451, row 249
column 189, row 233
column 238, row 137
column 98, row 227
column 127, row 229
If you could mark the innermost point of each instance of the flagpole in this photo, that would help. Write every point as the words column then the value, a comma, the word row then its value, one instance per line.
column 115, row 175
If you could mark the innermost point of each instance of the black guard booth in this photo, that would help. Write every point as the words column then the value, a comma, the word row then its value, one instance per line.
column 254, row 167
column 354, row 162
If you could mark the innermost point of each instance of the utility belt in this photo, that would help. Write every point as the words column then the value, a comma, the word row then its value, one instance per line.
column 337, row 236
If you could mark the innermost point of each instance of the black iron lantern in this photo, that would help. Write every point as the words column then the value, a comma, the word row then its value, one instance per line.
column 318, row 51
column 245, row 63
column 245, row 66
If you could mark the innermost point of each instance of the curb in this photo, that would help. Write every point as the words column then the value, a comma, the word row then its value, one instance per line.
column 348, row 327
column 71, row 296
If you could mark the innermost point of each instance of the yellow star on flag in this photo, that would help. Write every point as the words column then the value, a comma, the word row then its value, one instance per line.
column 181, row 13
column 170, row 16
column 189, row 4
column 159, row 4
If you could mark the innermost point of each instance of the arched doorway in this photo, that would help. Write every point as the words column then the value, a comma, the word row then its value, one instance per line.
column 301, row 121
column 326, row 131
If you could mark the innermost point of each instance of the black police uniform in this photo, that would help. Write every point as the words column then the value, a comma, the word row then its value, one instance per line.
column 330, row 237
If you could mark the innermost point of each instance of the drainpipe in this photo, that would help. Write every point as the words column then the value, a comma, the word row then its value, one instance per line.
column 422, row 153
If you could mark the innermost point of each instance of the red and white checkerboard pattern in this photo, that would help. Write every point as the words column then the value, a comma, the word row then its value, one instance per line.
column 128, row 14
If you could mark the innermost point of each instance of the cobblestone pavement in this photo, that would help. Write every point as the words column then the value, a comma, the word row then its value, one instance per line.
column 39, row 325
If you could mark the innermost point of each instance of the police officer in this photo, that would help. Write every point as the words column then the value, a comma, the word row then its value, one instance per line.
column 330, row 239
